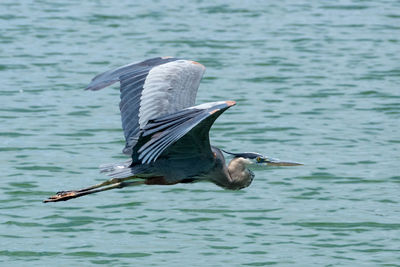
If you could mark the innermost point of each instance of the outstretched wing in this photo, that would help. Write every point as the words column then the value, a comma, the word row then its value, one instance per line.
column 150, row 89
column 179, row 136
column 182, row 134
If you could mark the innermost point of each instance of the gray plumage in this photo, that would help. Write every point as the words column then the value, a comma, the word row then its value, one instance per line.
column 150, row 89
column 167, row 136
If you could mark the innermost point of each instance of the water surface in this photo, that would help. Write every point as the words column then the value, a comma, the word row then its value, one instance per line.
column 314, row 82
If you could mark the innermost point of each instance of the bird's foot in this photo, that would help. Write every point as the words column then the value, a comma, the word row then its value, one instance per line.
column 62, row 196
column 66, row 195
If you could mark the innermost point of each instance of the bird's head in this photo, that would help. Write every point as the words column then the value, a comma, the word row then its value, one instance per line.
column 256, row 160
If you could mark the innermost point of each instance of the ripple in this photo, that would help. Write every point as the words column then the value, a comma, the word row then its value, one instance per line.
column 316, row 82
column 353, row 226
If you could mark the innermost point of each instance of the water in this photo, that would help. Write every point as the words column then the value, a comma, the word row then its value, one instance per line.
column 316, row 82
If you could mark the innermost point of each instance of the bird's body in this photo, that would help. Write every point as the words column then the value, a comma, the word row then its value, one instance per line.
column 167, row 137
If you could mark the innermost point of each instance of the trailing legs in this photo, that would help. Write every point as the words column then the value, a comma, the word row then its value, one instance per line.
column 104, row 186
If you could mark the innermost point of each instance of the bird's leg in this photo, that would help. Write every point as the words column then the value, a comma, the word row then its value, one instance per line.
column 114, row 183
column 108, row 182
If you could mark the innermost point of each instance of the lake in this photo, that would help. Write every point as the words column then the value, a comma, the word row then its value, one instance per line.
column 316, row 82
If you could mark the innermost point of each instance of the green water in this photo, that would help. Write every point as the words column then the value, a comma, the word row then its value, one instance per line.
column 316, row 82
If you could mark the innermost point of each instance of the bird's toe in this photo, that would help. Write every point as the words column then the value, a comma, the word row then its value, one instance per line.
column 61, row 196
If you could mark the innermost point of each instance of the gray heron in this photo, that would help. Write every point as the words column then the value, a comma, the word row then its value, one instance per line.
column 166, row 135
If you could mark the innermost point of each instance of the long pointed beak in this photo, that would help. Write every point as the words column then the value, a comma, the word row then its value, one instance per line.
column 277, row 162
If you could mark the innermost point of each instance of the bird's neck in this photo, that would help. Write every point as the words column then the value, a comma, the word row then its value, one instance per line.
column 240, row 175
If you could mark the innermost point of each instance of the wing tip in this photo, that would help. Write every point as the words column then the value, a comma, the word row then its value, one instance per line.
column 96, row 85
column 230, row 103
column 197, row 63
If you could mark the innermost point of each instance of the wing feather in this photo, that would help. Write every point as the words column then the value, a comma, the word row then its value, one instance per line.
column 164, row 132
column 149, row 89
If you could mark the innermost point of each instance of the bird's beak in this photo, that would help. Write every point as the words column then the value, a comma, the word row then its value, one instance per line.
column 278, row 162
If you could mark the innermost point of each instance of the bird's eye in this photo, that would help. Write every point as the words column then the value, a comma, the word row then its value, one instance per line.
column 258, row 159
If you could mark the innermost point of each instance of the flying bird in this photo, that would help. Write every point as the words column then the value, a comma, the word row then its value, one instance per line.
column 166, row 134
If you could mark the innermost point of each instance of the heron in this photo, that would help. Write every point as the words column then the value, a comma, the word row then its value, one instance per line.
column 166, row 134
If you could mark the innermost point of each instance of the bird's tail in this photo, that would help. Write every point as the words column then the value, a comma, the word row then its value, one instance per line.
column 112, row 167
column 124, row 170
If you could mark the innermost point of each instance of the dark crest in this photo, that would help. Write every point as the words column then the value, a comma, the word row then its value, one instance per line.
column 247, row 155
